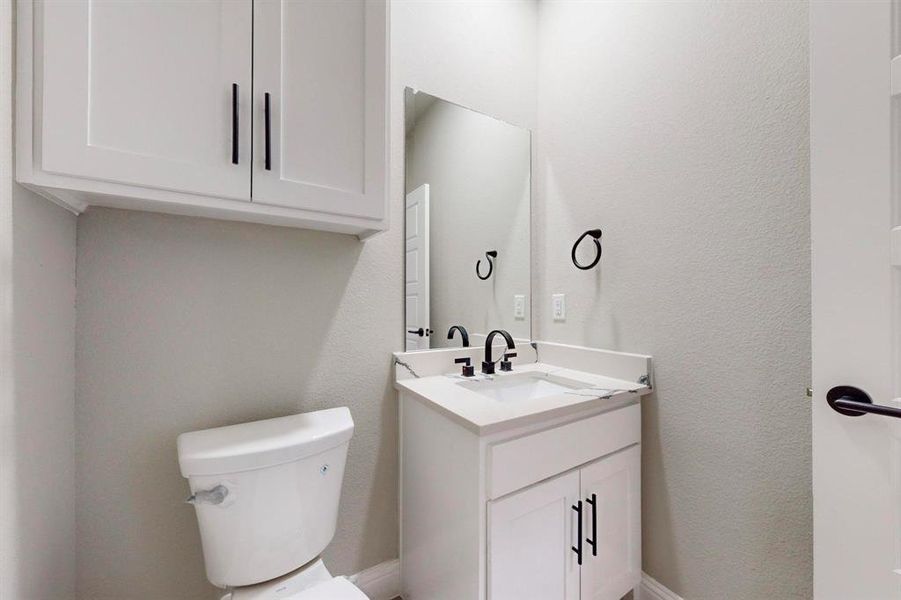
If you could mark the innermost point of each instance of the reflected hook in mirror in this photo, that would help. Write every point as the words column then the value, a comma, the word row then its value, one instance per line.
column 596, row 237
column 488, row 256
column 463, row 333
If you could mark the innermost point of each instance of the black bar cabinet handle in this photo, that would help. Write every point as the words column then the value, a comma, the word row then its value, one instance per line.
column 854, row 402
column 234, row 123
column 268, row 126
column 593, row 542
column 578, row 551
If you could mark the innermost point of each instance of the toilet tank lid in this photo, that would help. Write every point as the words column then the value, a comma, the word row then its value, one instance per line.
column 260, row 444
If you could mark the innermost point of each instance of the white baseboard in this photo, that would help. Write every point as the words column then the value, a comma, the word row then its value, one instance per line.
column 651, row 589
column 381, row 582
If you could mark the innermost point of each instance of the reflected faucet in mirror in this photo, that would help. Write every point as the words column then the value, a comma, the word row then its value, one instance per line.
column 463, row 333
column 488, row 364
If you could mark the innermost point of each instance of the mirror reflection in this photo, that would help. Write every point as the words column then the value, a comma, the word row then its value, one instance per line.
column 467, row 256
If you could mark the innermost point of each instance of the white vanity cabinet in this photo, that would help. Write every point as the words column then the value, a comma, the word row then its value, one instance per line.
column 271, row 111
column 497, row 515
column 531, row 534
column 535, row 550
column 611, row 496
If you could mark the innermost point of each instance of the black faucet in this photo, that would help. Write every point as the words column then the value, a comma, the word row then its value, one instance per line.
column 488, row 364
column 463, row 333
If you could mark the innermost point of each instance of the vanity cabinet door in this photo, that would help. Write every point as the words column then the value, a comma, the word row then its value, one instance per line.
column 143, row 93
column 320, row 97
column 612, row 488
column 530, row 535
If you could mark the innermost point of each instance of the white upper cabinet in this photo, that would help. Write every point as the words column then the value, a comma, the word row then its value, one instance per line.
column 319, row 66
column 140, row 93
column 162, row 105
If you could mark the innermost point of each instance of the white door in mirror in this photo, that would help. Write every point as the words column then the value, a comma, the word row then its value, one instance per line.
column 416, row 269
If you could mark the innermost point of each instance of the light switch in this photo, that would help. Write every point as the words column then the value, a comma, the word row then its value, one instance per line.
column 558, row 301
column 519, row 306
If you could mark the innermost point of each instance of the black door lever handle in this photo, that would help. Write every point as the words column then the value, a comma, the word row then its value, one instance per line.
column 420, row 332
column 854, row 402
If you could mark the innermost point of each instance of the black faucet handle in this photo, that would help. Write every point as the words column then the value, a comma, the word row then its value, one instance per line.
column 468, row 369
column 506, row 365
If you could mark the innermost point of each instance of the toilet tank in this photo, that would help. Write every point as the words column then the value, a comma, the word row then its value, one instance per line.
column 266, row 493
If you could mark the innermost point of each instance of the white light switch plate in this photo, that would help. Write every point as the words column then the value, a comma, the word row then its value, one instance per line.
column 519, row 306
column 558, row 301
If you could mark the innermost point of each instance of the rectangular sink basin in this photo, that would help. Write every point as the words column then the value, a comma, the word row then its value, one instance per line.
column 523, row 386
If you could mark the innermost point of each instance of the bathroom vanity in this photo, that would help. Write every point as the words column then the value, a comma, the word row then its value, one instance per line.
column 525, row 484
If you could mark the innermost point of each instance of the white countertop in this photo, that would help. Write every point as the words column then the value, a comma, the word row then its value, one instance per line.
column 484, row 415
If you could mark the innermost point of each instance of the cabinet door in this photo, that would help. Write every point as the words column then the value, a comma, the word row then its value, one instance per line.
column 530, row 535
column 614, row 486
column 322, row 65
column 141, row 92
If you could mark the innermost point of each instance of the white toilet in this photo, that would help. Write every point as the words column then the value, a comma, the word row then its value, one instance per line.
column 266, row 495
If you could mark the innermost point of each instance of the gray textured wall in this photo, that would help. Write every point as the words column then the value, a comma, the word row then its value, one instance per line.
column 37, row 378
column 186, row 323
column 681, row 129
column 38, row 429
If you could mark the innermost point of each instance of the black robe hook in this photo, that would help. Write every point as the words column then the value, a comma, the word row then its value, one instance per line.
column 596, row 236
column 488, row 255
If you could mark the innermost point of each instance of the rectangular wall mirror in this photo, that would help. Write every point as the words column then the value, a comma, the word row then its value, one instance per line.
column 467, row 225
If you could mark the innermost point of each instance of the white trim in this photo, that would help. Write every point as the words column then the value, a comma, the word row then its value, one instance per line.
column 381, row 582
column 896, row 246
column 651, row 589
column 61, row 198
column 10, row 524
column 895, row 66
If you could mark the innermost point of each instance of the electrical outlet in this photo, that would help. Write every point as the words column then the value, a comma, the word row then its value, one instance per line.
column 519, row 306
column 558, row 302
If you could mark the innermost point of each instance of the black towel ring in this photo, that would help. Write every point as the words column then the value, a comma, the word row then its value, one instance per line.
column 488, row 255
column 596, row 236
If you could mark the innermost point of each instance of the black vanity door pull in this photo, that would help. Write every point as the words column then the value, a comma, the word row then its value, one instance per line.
column 268, row 128
column 578, row 550
column 854, row 402
column 234, row 123
column 593, row 542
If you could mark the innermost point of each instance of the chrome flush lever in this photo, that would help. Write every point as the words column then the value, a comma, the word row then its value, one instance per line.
column 213, row 496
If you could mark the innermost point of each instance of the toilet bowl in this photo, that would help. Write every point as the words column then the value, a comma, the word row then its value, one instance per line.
column 266, row 497
column 312, row 582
